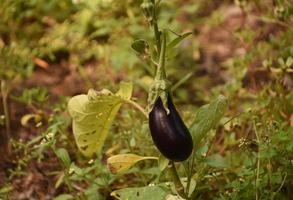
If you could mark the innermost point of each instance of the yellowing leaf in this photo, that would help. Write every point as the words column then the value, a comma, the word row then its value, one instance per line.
column 122, row 162
column 93, row 115
column 25, row 119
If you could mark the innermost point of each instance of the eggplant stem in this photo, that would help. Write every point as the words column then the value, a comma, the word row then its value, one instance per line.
column 156, row 30
column 161, row 73
column 178, row 184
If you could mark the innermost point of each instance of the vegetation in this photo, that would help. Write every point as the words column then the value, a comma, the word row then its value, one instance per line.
column 64, row 133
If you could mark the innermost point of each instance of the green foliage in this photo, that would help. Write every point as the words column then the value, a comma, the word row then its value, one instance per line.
column 37, row 95
column 207, row 117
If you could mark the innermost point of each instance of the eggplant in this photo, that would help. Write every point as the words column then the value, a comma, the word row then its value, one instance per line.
column 169, row 132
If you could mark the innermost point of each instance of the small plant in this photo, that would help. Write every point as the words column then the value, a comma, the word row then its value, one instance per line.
column 93, row 114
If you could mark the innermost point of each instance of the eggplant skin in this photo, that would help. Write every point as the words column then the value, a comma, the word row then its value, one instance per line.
column 169, row 132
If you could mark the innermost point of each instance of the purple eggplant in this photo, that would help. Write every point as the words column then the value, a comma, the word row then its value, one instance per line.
column 169, row 132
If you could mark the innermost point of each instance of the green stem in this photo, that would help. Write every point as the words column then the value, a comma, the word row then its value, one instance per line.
column 4, row 93
column 190, row 172
column 161, row 73
column 258, row 163
column 178, row 185
column 157, row 36
column 181, row 81
column 138, row 107
column 156, row 31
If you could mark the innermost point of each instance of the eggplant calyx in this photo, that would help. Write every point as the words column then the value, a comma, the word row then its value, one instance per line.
column 160, row 88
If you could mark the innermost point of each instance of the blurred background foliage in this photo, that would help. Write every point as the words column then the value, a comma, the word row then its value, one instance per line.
column 51, row 50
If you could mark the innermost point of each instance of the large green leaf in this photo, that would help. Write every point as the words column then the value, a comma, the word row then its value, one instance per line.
column 207, row 117
column 142, row 193
column 93, row 114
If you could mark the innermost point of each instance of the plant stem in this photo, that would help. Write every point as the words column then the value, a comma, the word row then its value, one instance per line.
column 156, row 31
column 190, row 172
column 157, row 35
column 178, row 185
column 161, row 73
column 181, row 81
column 138, row 107
column 258, row 163
column 4, row 93
column 278, row 190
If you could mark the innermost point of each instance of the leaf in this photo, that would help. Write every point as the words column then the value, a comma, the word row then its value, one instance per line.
column 125, row 91
column 217, row 161
column 63, row 197
column 6, row 189
column 142, row 193
column 63, row 155
column 173, row 197
column 25, row 119
column 289, row 61
column 93, row 115
column 60, row 180
column 192, row 185
column 207, row 117
column 175, row 42
column 141, row 47
column 162, row 162
column 122, row 162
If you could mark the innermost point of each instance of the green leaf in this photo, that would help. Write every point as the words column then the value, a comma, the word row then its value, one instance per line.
column 6, row 189
column 122, row 162
column 207, row 117
column 63, row 155
column 217, row 161
column 173, row 197
column 142, row 193
column 141, row 47
column 289, row 61
column 162, row 162
column 60, row 180
column 175, row 42
column 63, row 197
column 93, row 115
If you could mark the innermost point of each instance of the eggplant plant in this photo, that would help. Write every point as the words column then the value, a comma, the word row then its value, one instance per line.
column 168, row 131
column 93, row 114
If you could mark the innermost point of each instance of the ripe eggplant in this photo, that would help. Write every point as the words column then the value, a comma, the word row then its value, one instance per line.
column 169, row 132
